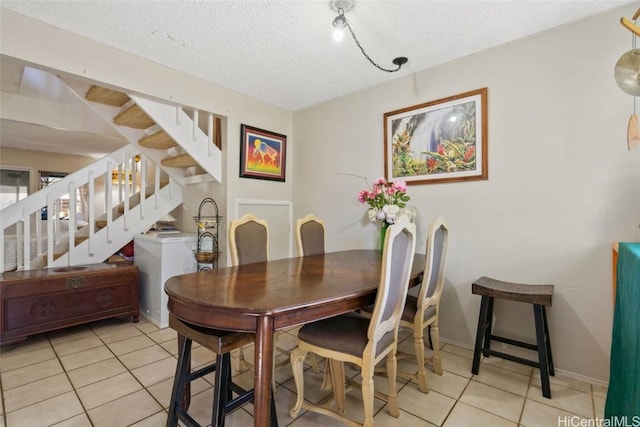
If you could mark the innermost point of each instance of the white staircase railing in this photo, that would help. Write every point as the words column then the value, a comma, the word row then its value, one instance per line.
column 132, row 212
column 184, row 130
column 21, row 223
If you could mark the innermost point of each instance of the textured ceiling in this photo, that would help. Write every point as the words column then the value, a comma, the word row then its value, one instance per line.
column 282, row 52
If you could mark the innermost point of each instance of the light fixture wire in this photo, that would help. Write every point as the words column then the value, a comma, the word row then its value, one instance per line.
column 399, row 61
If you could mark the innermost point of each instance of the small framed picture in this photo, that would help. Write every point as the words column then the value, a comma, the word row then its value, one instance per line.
column 262, row 154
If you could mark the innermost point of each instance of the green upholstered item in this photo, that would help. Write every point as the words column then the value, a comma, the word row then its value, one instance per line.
column 623, row 397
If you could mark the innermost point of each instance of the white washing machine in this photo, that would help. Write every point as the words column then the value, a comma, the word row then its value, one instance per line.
column 160, row 257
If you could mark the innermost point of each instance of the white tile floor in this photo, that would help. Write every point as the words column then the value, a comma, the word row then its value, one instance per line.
column 118, row 373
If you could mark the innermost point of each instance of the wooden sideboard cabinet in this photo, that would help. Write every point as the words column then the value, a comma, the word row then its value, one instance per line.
column 37, row 301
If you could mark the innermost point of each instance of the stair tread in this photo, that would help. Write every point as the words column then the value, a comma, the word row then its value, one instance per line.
column 159, row 140
column 106, row 96
column 198, row 179
column 179, row 161
column 134, row 117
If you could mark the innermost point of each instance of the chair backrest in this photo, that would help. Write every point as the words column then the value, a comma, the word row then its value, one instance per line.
column 397, row 261
column 310, row 235
column 434, row 266
column 248, row 240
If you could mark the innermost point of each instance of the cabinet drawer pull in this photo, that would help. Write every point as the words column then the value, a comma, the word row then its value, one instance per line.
column 75, row 282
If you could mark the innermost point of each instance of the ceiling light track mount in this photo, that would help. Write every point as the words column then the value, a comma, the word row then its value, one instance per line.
column 340, row 22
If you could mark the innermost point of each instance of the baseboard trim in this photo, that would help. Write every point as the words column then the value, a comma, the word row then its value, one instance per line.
column 562, row 372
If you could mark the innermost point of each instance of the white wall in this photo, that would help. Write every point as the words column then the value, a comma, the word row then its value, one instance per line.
column 51, row 162
column 65, row 53
column 562, row 185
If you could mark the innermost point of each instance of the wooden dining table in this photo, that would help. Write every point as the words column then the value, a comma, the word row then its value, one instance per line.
column 265, row 297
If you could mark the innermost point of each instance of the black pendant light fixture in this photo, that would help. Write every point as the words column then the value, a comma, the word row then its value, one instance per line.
column 340, row 22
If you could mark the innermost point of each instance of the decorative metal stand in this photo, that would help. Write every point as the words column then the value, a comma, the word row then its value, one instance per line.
column 207, row 251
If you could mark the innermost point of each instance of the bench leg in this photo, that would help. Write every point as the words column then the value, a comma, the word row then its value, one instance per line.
column 482, row 326
column 548, row 342
column 488, row 328
column 542, row 341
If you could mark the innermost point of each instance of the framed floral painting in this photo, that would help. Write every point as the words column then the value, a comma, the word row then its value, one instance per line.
column 439, row 141
column 262, row 154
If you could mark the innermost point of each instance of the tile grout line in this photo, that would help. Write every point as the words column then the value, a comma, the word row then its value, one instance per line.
column 4, row 408
column 526, row 397
column 457, row 401
column 497, row 388
column 66, row 374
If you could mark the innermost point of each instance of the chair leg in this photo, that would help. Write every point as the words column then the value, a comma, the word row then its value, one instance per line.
column 236, row 365
column 326, row 377
column 482, row 326
column 418, row 344
column 392, row 396
column 434, row 335
column 542, row 350
column 182, row 370
column 221, row 389
column 368, row 394
column 336, row 368
column 241, row 360
column 297, row 358
column 315, row 366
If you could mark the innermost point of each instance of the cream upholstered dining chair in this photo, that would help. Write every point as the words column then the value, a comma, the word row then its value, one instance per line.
column 310, row 235
column 310, row 241
column 359, row 340
column 248, row 240
column 422, row 311
column 248, row 243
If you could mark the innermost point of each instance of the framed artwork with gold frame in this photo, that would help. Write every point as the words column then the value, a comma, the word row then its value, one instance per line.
column 438, row 141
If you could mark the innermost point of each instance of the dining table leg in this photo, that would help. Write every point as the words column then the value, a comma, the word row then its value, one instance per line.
column 263, row 372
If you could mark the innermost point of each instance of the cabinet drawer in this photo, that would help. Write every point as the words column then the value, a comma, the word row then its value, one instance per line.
column 55, row 306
